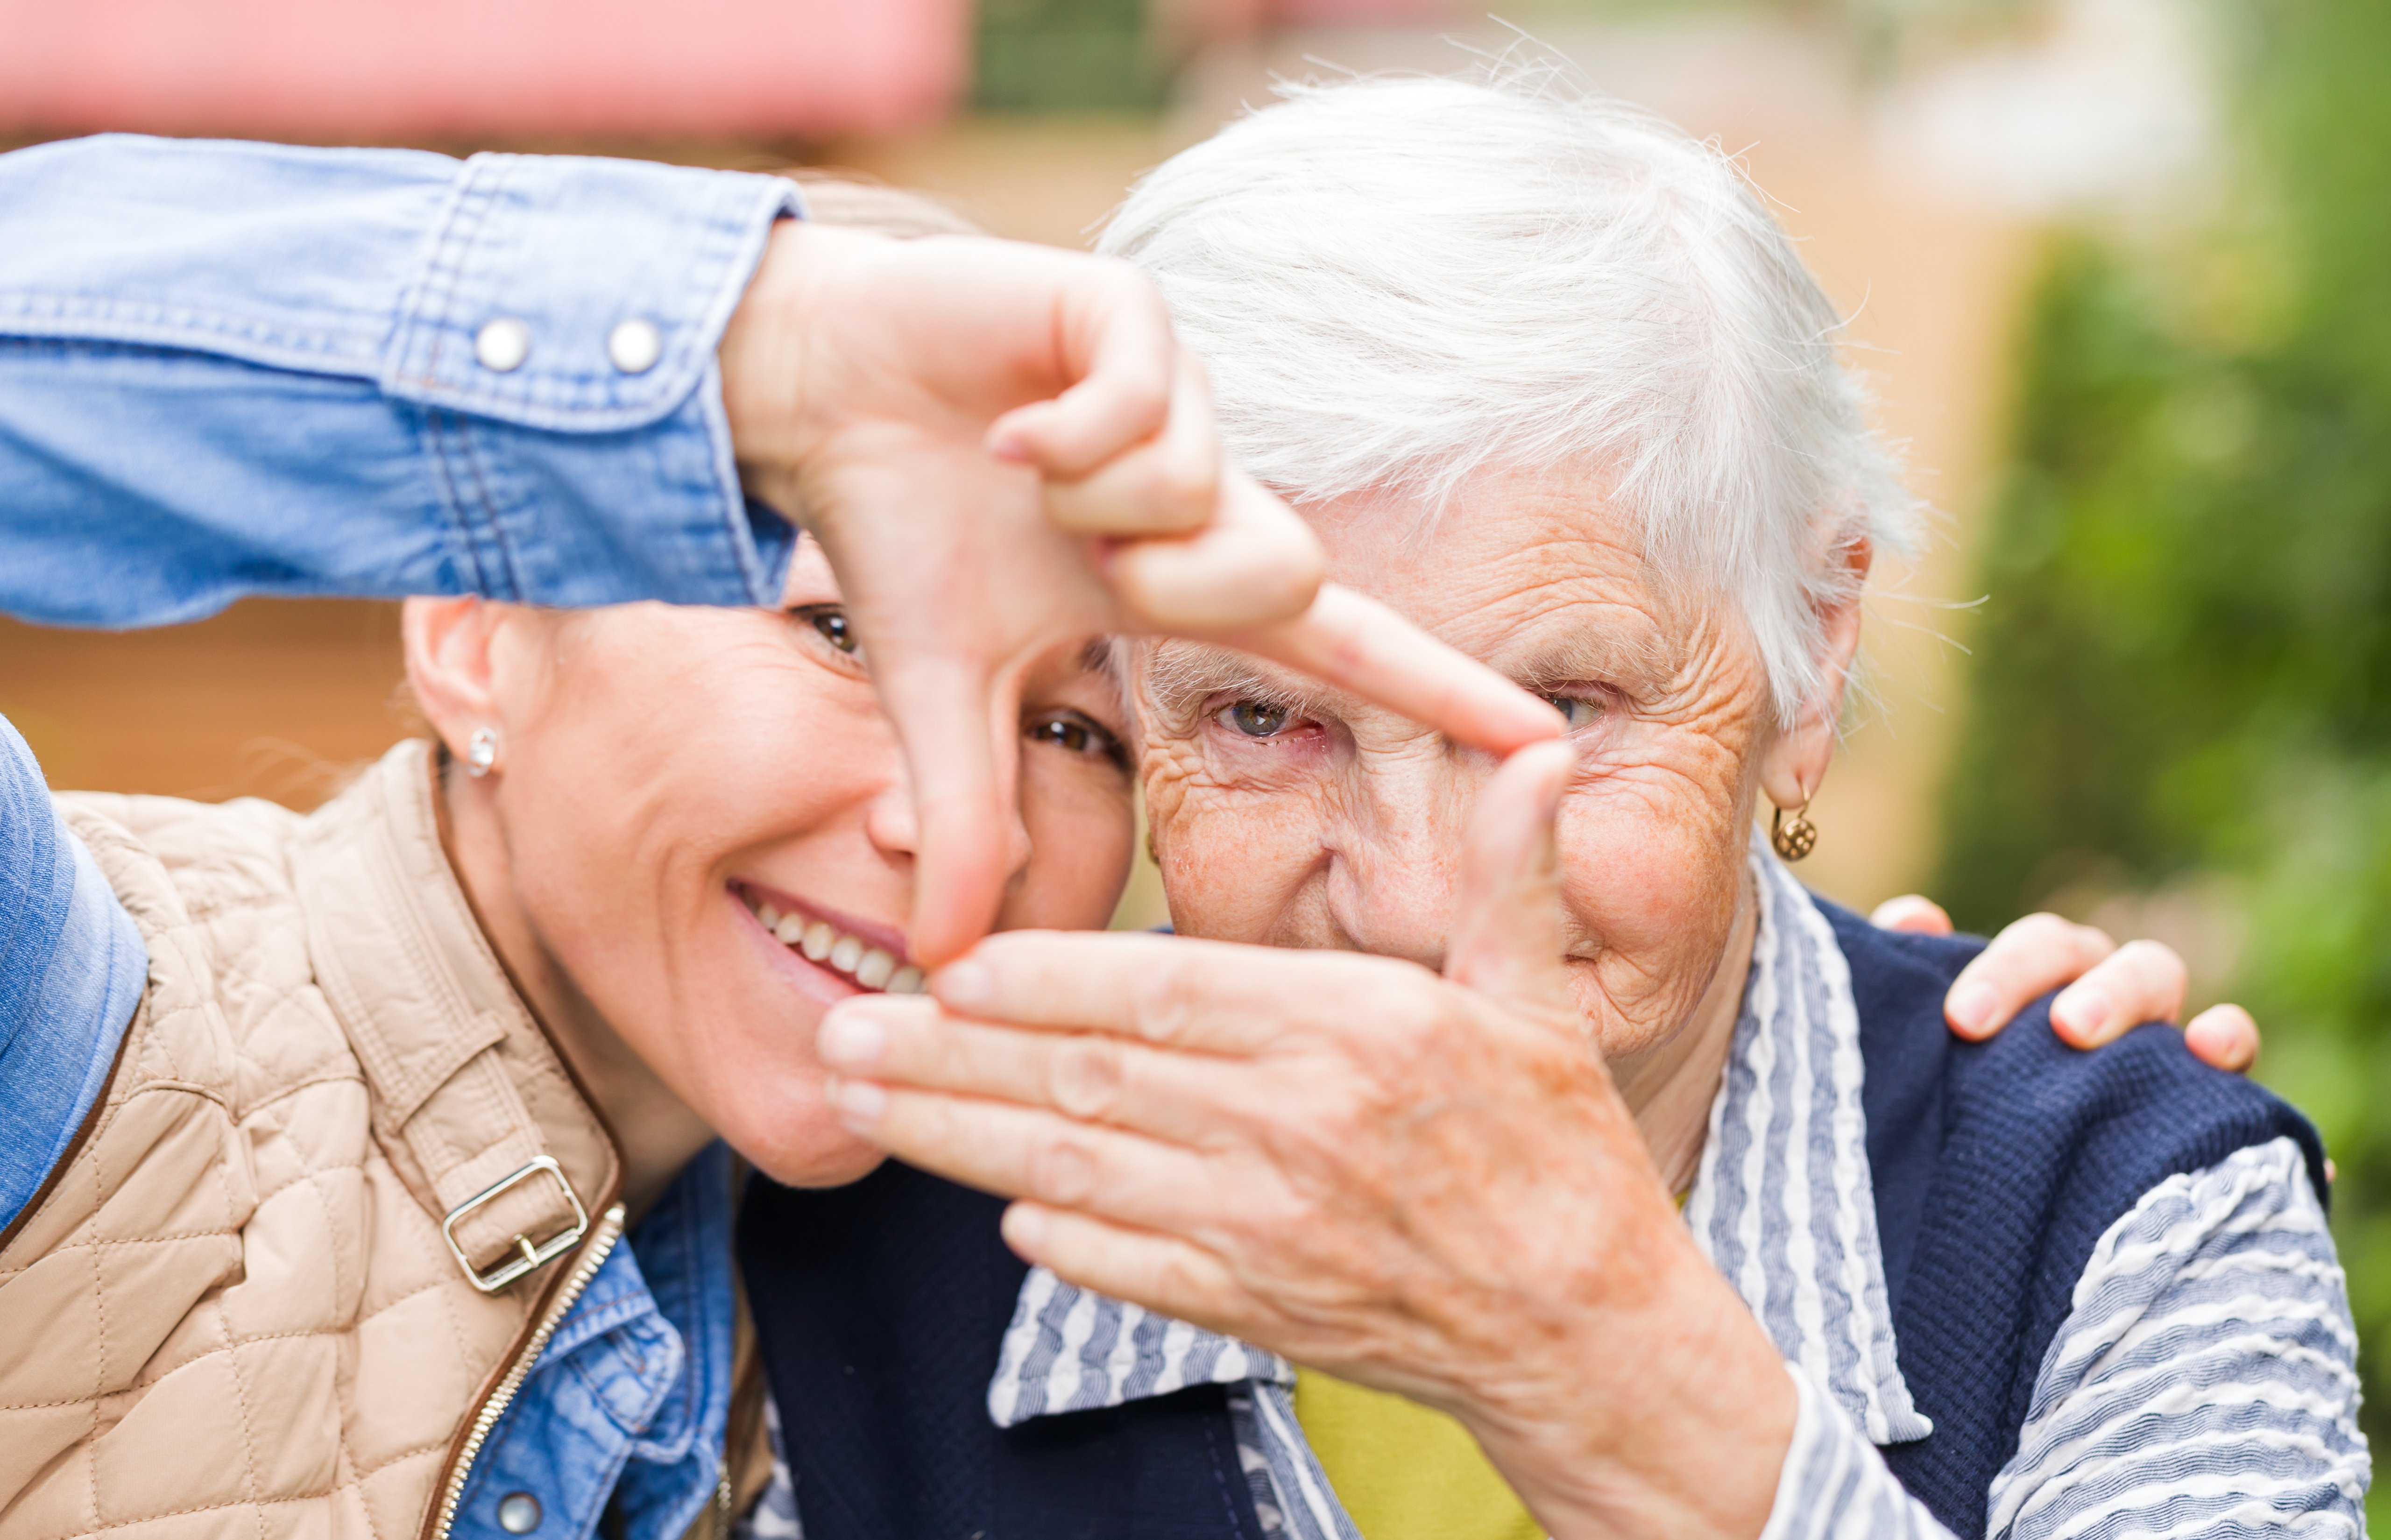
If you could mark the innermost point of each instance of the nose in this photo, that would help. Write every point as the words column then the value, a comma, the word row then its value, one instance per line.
column 1394, row 849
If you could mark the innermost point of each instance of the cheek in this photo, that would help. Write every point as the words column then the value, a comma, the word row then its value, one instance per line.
column 690, row 747
column 1650, row 868
column 1235, row 857
column 1081, row 829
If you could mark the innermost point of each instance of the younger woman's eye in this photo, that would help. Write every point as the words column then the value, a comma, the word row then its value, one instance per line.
column 1074, row 733
column 1578, row 711
column 1256, row 719
column 831, row 622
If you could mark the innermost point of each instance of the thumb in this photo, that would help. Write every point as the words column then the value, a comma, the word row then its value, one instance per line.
column 1507, row 921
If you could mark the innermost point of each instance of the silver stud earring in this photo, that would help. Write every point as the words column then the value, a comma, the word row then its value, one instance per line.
column 480, row 751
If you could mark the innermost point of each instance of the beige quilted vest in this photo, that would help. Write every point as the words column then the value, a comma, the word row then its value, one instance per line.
column 233, row 1312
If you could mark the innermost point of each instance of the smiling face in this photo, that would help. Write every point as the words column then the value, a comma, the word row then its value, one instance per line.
column 699, row 835
column 1291, row 817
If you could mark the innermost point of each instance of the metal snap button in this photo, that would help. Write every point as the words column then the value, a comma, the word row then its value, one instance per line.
column 502, row 346
column 635, row 346
column 518, row 1513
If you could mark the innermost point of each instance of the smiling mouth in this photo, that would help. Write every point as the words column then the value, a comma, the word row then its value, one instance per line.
column 824, row 945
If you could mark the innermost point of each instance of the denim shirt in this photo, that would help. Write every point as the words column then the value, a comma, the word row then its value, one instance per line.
column 239, row 368
column 632, row 1396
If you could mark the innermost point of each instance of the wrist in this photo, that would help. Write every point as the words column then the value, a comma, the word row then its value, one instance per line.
column 1668, row 1417
column 768, row 359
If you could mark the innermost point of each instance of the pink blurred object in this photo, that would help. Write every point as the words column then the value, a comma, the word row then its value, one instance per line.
column 1385, row 13
column 432, row 68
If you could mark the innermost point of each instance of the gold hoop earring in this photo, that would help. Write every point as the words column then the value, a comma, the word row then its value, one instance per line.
column 1796, row 839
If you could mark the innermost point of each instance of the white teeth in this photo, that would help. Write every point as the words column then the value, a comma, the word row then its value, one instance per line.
column 873, row 967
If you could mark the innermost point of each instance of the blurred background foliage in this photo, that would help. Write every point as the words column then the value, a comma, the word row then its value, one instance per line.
column 2180, row 689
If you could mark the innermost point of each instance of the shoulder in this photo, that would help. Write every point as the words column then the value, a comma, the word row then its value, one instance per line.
column 2146, row 1089
column 2209, row 1342
column 214, row 854
column 232, row 975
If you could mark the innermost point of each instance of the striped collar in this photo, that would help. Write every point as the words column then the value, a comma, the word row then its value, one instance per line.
column 1782, row 1205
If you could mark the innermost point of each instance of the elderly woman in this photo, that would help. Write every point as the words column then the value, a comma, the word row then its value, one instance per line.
column 1550, row 383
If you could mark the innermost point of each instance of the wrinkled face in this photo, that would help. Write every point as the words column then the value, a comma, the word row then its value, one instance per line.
column 1291, row 817
column 709, row 828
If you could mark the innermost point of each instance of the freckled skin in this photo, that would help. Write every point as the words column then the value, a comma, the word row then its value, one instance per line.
column 1343, row 832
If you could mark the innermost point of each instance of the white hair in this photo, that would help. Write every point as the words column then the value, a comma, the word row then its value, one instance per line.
column 1398, row 282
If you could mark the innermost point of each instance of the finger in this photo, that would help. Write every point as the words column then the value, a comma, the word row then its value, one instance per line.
column 1116, row 350
column 945, row 716
column 1169, row 484
column 1092, row 1078
column 2224, row 1036
column 1506, row 924
column 1361, row 645
column 1213, row 997
column 2027, row 960
column 1015, row 1151
column 2141, row 981
column 1913, row 913
column 1254, row 563
column 1162, row 1273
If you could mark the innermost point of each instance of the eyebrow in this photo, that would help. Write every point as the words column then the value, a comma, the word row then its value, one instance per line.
column 1637, row 663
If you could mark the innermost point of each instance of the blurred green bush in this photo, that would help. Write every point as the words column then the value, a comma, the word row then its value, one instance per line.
column 2182, row 674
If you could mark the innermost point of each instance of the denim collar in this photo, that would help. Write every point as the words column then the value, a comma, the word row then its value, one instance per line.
column 630, row 1401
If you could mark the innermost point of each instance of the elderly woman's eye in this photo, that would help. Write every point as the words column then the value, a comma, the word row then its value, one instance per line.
column 1256, row 719
column 1074, row 733
column 1576, row 710
column 831, row 622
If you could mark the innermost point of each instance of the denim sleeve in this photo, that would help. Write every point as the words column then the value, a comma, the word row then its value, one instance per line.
column 71, row 971
column 236, row 368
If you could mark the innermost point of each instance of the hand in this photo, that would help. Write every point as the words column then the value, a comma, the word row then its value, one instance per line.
column 1425, row 1184
column 1000, row 448
column 2109, row 987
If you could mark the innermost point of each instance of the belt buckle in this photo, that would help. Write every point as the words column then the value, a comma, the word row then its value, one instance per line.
column 529, row 1254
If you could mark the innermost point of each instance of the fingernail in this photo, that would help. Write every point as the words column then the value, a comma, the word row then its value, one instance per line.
column 850, row 1040
column 858, row 1103
column 969, row 985
column 2081, row 1012
column 1970, row 1007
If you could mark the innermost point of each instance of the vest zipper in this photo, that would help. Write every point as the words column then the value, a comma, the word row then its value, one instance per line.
column 608, row 1230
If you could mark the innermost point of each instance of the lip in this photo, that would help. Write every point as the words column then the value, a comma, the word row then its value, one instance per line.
column 889, row 939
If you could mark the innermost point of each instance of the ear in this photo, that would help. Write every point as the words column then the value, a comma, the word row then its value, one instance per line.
column 449, row 644
column 1797, row 759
